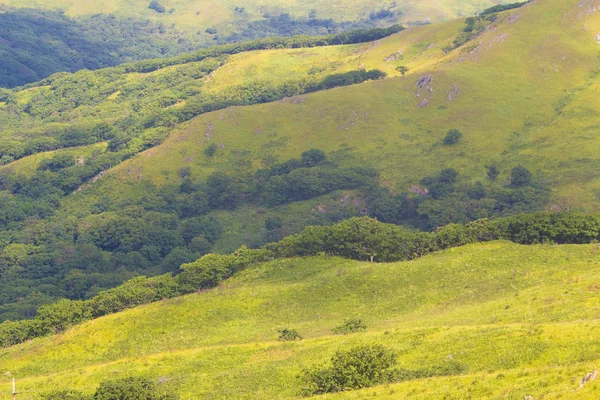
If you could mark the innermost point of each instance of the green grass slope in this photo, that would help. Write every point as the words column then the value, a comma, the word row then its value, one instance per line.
column 523, row 93
column 522, row 319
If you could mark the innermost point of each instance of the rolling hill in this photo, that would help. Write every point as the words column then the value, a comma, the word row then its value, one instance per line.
column 519, row 320
column 521, row 89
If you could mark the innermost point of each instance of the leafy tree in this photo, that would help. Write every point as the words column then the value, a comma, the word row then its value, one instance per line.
column 493, row 173
column 448, row 175
column 57, row 162
column 313, row 157
column 520, row 176
column 402, row 69
column 359, row 367
column 453, row 137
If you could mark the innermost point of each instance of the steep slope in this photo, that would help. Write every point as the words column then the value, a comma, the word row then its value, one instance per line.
column 520, row 319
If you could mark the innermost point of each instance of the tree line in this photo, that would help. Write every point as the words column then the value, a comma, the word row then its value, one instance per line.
column 360, row 238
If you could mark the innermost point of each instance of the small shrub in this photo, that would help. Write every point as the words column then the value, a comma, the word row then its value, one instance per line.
column 289, row 335
column 493, row 173
column 65, row 395
column 156, row 6
column 350, row 326
column 448, row 175
column 210, row 150
column 452, row 137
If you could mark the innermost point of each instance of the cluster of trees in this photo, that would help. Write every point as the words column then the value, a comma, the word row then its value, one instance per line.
column 474, row 26
column 286, row 25
column 357, row 238
column 44, row 258
column 502, row 7
column 449, row 201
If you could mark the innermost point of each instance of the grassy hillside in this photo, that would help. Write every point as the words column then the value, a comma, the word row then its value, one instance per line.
column 534, row 111
column 520, row 319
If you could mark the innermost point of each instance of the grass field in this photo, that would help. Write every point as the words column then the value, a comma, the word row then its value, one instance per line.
column 522, row 319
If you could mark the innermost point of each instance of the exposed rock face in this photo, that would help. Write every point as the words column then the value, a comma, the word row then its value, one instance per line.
column 425, row 82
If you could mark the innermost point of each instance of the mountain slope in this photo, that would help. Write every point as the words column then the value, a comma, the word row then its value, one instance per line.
column 504, row 90
column 520, row 319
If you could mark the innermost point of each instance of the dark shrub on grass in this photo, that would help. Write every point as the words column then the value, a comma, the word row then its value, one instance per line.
column 359, row 367
column 133, row 388
column 289, row 335
column 350, row 326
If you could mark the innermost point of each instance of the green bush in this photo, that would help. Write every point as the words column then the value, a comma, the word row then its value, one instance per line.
column 210, row 150
column 452, row 137
column 350, row 326
column 359, row 367
column 134, row 388
column 520, row 176
column 288, row 335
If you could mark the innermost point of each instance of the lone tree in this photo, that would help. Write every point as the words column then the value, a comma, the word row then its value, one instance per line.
column 520, row 176
column 402, row 69
column 452, row 137
column 493, row 173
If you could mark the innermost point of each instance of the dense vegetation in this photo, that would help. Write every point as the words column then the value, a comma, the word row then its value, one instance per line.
column 286, row 25
column 130, row 388
column 356, row 238
column 502, row 7
column 35, row 44
column 48, row 258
